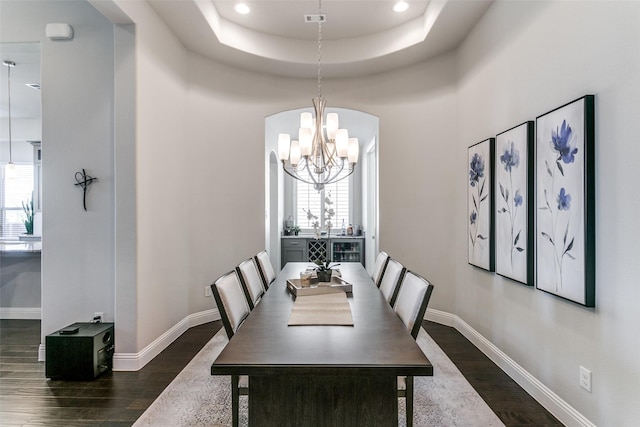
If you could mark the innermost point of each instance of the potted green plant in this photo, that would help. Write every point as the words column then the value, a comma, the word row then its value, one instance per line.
column 295, row 229
column 28, row 211
column 324, row 270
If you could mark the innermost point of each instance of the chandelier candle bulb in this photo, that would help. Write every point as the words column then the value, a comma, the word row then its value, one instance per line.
column 332, row 125
column 284, row 144
column 342, row 143
column 295, row 153
column 305, row 138
column 306, row 120
column 354, row 150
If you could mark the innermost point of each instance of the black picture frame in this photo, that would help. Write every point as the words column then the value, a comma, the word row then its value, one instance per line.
column 565, row 201
column 513, row 190
column 480, row 206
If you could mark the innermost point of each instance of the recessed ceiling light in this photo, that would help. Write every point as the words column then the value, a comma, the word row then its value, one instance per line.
column 242, row 8
column 400, row 6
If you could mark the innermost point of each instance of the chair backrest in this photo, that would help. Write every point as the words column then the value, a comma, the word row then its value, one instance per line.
column 231, row 301
column 411, row 302
column 251, row 281
column 266, row 269
column 379, row 266
column 391, row 279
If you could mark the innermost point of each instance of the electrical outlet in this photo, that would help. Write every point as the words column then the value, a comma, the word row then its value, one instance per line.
column 97, row 316
column 585, row 378
column 207, row 291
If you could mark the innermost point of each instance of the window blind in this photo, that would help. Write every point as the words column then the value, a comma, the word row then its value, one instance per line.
column 12, row 193
column 308, row 199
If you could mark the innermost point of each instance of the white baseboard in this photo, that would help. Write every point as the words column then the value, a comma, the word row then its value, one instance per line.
column 136, row 361
column 24, row 313
column 203, row 317
column 441, row 317
column 564, row 412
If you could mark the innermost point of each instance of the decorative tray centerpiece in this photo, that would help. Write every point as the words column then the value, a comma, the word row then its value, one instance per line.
column 337, row 284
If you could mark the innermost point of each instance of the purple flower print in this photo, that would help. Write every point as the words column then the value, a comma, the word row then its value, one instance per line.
column 510, row 158
column 477, row 180
column 561, row 139
column 476, row 169
column 564, row 200
column 517, row 198
column 559, row 236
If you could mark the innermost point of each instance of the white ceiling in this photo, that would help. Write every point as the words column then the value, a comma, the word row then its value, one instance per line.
column 359, row 36
column 25, row 101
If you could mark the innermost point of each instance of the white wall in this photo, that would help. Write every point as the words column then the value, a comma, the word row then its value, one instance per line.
column 225, row 134
column 77, row 120
column 418, row 130
column 161, row 176
column 522, row 60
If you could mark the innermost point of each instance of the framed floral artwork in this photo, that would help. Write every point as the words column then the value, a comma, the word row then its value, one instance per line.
column 565, row 201
column 514, row 214
column 480, row 204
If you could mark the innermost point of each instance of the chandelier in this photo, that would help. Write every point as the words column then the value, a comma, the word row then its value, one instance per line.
column 10, row 169
column 322, row 151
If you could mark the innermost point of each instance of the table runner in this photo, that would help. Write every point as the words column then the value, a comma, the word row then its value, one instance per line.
column 325, row 309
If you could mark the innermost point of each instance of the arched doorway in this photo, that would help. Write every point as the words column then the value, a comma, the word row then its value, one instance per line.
column 278, row 188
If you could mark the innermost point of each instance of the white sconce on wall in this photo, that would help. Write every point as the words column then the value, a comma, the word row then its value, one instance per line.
column 59, row 32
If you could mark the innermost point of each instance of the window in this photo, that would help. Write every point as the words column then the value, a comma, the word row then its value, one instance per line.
column 12, row 194
column 308, row 199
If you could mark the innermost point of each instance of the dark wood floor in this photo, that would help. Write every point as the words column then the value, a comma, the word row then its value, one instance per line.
column 27, row 398
column 505, row 397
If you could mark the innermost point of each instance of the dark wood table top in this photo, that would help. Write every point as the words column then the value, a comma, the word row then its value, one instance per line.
column 378, row 343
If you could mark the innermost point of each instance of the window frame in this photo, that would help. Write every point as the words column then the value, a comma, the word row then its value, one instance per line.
column 321, row 214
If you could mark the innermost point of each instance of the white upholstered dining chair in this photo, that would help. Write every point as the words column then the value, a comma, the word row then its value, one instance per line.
column 391, row 279
column 267, row 272
column 379, row 266
column 252, row 283
column 410, row 305
column 234, row 308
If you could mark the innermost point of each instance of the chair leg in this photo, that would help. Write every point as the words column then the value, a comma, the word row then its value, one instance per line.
column 235, row 400
column 409, row 401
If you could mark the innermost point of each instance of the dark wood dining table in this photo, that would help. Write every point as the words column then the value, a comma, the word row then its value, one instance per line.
column 323, row 375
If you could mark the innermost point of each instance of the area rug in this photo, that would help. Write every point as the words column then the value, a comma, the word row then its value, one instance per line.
column 196, row 398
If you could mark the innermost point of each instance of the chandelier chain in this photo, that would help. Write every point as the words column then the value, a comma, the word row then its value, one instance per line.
column 319, row 49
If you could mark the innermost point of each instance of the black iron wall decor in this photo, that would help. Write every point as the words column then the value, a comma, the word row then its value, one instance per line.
column 84, row 181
